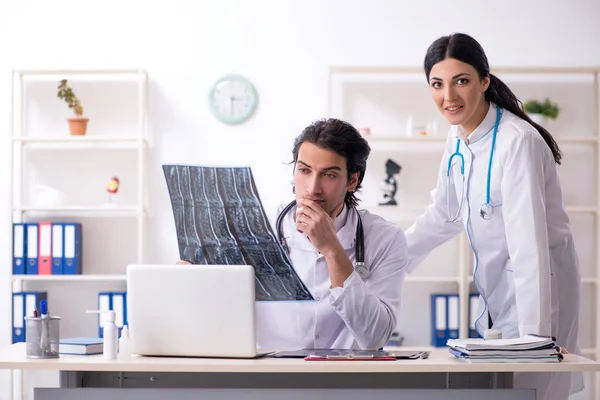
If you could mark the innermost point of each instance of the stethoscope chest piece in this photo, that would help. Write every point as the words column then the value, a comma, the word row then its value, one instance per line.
column 486, row 210
column 362, row 270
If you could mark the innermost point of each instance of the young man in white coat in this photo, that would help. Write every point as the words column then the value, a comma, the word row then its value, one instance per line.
column 499, row 183
column 355, row 306
column 356, row 301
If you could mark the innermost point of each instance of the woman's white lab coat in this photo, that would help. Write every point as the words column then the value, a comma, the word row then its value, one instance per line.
column 362, row 314
column 526, row 267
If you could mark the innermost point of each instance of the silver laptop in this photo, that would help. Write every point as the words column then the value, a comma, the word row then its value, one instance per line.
column 192, row 310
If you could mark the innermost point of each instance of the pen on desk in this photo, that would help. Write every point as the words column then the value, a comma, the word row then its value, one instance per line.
column 44, row 339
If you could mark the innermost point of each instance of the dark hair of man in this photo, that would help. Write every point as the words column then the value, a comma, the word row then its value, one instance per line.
column 464, row 48
column 342, row 138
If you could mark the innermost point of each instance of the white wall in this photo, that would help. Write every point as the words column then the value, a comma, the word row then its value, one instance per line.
column 285, row 47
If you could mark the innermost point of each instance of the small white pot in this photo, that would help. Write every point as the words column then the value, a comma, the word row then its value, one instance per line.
column 539, row 119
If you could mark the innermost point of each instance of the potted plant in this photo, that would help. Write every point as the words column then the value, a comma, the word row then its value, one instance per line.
column 77, row 125
column 539, row 111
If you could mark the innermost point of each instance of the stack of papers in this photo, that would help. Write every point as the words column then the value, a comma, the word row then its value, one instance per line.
column 527, row 349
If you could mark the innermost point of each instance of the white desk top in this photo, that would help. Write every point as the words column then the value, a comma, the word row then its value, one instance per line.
column 440, row 360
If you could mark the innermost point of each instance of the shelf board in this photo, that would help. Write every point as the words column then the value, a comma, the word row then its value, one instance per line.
column 580, row 139
column 81, row 277
column 73, row 142
column 581, row 209
column 434, row 279
column 586, row 280
column 588, row 351
column 405, row 139
column 117, row 74
column 100, row 209
column 78, row 139
column 414, row 209
column 442, row 139
column 399, row 208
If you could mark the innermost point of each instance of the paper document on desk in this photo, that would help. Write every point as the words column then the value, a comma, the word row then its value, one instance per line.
column 527, row 349
column 220, row 220
column 527, row 342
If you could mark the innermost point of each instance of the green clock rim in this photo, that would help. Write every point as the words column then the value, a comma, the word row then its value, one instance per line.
column 242, row 118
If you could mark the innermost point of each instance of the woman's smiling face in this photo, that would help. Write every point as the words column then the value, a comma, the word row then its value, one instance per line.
column 458, row 92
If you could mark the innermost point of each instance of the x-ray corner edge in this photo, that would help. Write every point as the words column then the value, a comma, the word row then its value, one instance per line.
column 177, row 164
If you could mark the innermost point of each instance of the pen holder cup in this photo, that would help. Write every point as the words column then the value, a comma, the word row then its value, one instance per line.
column 42, row 337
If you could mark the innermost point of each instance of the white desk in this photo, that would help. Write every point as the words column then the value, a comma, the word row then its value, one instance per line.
column 441, row 371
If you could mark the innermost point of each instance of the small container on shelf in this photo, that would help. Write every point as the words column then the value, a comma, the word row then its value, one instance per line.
column 432, row 129
column 364, row 131
column 421, row 131
column 409, row 126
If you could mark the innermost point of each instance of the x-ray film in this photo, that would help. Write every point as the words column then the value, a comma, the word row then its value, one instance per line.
column 220, row 219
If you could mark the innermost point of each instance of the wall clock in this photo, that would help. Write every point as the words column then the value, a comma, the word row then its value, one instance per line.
column 233, row 99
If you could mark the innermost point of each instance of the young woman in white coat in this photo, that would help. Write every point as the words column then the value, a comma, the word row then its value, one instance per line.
column 498, row 181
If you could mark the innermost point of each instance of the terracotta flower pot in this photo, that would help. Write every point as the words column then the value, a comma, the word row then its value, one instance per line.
column 78, row 126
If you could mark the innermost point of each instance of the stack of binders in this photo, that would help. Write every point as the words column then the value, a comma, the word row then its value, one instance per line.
column 24, row 304
column 527, row 349
column 117, row 302
column 47, row 248
column 445, row 317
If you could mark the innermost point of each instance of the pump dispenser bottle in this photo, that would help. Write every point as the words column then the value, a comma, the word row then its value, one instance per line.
column 110, row 333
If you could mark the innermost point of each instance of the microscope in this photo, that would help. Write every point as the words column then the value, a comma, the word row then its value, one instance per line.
column 389, row 186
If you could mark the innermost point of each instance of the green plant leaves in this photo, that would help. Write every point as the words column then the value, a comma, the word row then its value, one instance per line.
column 67, row 94
column 546, row 108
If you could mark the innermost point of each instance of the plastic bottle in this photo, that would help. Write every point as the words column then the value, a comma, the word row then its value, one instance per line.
column 409, row 126
column 125, row 344
column 110, row 333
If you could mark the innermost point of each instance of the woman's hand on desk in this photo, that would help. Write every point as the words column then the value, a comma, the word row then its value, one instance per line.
column 182, row 262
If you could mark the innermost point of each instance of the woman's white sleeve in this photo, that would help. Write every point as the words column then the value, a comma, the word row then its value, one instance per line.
column 431, row 229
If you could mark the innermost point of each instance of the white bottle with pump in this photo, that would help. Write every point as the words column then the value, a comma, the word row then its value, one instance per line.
column 110, row 333
column 124, row 344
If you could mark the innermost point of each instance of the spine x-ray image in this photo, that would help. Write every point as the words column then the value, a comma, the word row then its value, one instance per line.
column 220, row 219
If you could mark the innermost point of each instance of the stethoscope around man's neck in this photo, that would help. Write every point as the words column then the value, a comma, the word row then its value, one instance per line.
column 359, row 250
column 486, row 210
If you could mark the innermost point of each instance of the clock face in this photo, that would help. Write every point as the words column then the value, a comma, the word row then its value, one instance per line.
column 233, row 99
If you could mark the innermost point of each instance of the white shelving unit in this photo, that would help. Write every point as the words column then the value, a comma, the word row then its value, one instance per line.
column 43, row 152
column 382, row 98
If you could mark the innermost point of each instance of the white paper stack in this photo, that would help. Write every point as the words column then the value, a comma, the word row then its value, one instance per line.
column 527, row 349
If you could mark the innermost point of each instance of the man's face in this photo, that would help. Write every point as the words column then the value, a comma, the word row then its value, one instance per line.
column 321, row 175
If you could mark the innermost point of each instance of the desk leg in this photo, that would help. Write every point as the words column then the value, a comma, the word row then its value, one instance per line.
column 17, row 391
